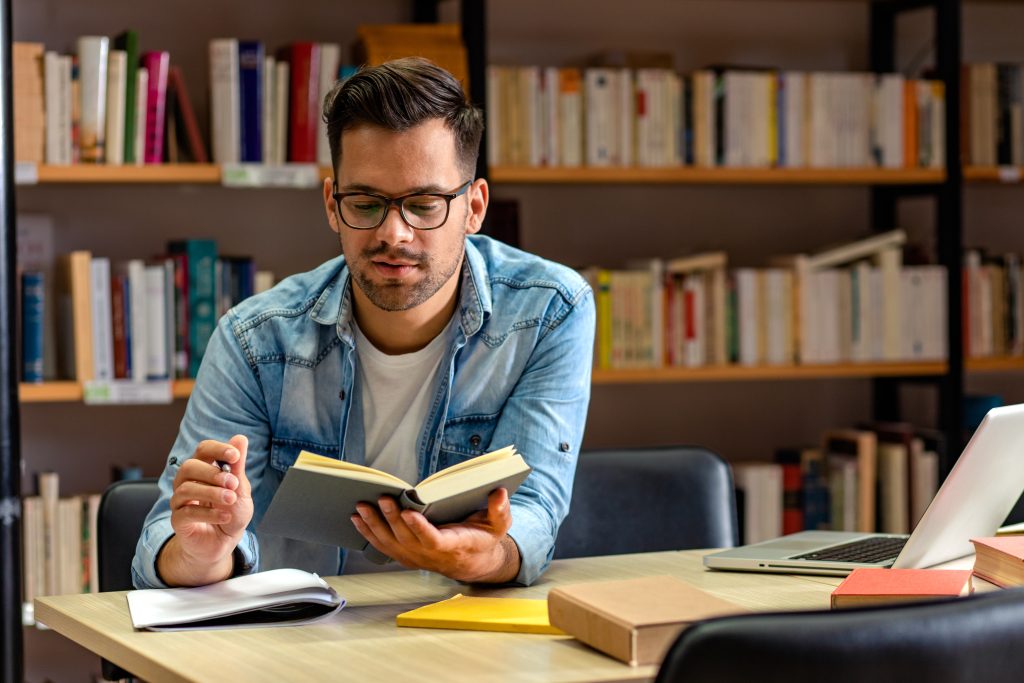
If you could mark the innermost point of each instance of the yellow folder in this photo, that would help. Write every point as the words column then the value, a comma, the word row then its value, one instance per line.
column 516, row 615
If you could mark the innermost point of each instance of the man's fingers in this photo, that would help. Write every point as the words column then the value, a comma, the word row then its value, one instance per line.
column 379, row 526
column 197, row 514
column 197, row 470
column 426, row 533
column 240, row 443
column 191, row 493
column 392, row 515
column 499, row 511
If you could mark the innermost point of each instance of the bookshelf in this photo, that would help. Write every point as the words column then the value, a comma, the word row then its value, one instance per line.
column 65, row 392
column 169, row 174
column 715, row 176
column 994, row 174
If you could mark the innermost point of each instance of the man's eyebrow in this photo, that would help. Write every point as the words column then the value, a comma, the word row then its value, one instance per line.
column 422, row 189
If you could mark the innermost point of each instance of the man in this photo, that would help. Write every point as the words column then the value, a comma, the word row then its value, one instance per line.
column 423, row 345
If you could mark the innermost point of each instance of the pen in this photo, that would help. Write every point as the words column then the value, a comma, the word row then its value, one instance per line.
column 224, row 467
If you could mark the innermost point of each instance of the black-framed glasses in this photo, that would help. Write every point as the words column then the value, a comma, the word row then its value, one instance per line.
column 420, row 210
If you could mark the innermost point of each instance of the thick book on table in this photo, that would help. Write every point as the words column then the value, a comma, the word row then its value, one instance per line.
column 633, row 620
column 1000, row 560
column 279, row 597
column 876, row 586
column 318, row 496
column 468, row 613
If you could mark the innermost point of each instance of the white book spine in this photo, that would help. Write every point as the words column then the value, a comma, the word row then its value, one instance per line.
column 267, row 109
column 102, row 323
column 117, row 73
column 281, row 79
column 889, row 262
column 551, row 136
column 53, row 83
column 626, row 109
column 330, row 61
column 137, row 301
column 570, row 117
column 224, row 101
column 66, row 143
column 92, row 62
column 141, row 100
column 494, row 115
column 157, row 357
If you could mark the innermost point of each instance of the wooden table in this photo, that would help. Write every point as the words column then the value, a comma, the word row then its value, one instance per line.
column 362, row 643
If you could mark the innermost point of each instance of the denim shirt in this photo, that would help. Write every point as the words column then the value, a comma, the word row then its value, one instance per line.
column 280, row 368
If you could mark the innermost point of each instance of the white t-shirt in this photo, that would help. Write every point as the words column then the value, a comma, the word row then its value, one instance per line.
column 396, row 395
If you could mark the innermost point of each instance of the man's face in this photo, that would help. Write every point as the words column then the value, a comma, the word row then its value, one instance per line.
column 394, row 265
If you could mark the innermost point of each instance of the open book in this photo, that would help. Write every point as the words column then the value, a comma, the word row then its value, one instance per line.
column 318, row 496
column 277, row 597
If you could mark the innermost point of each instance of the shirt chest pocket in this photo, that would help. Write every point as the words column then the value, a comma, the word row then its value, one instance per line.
column 283, row 452
column 467, row 437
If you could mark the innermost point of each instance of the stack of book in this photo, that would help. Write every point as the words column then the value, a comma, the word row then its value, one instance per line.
column 848, row 304
column 547, row 116
column 880, row 477
column 992, row 114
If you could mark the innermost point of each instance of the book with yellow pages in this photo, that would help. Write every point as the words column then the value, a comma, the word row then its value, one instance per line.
column 468, row 613
column 318, row 495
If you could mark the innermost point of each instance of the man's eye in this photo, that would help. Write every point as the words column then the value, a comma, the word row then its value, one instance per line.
column 424, row 207
column 366, row 207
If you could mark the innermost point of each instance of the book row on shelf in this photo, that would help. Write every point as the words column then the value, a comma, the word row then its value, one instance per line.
column 83, row 318
column 111, row 103
column 547, row 116
column 993, row 305
column 852, row 303
column 878, row 478
column 992, row 114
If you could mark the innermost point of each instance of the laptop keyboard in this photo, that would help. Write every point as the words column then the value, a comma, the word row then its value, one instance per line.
column 867, row 550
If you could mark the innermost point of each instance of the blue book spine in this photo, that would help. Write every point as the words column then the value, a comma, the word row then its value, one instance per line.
column 33, row 304
column 250, row 84
column 127, row 308
column 201, row 256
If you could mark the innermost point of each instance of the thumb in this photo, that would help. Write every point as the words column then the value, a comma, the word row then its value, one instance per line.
column 498, row 510
column 241, row 443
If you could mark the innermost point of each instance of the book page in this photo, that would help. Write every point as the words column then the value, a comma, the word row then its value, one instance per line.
column 506, row 452
column 340, row 468
column 493, row 470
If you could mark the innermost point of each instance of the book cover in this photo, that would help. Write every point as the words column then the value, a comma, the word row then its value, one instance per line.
column 102, row 327
column 128, row 41
column 74, row 299
column 117, row 74
column 466, row 613
column 875, row 586
column 157, row 65
column 304, row 109
column 33, row 306
column 92, row 61
column 224, row 101
column 318, row 495
column 632, row 620
column 201, row 259
column 185, row 119
column 250, row 102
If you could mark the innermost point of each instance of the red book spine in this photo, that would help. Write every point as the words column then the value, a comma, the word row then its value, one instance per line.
column 196, row 148
column 792, row 506
column 305, row 100
column 181, row 345
column 157, row 64
column 117, row 323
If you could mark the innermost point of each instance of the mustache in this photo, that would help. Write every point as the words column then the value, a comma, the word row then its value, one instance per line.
column 395, row 254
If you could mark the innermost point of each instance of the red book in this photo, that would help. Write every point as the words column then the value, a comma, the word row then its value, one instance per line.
column 304, row 101
column 117, row 310
column 157, row 64
column 181, row 342
column 1000, row 560
column 187, row 117
column 873, row 586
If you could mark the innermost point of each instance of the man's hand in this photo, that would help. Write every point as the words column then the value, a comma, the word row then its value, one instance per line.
column 478, row 549
column 209, row 512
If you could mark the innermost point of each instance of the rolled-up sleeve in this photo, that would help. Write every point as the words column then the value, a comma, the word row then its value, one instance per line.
column 227, row 399
column 544, row 417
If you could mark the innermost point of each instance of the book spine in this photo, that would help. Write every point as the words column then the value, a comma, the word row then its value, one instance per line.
column 92, row 55
column 138, row 319
column 181, row 316
column 49, row 491
column 156, row 330
column 141, row 99
column 224, row 101
column 591, row 626
column 330, row 60
column 170, row 316
column 267, row 109
column 52, row 97
column 117, row 68
column 282, row 79
column 202, row 263
column 187, row 116
column 33, row 305
column 157, row 64
column 305, row 82
column 250, row 81
column 129, row 43
column 102, row 343
column 118, row 286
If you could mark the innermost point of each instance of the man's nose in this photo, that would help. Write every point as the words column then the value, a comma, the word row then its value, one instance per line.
column 394, row 229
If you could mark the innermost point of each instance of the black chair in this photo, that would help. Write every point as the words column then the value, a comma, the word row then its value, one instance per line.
column 123, row 509
column 953, row 641
column 649, row 499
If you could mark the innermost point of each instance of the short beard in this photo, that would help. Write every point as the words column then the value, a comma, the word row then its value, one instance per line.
column 399, row 297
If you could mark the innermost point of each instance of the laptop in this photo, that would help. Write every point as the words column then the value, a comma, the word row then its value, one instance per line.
column 973, row 501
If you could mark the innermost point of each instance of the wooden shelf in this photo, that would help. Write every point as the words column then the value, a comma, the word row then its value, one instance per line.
column 715, row 176
column 69, row 392
column 197, row 174
column 781, row 372
column 1009, row 175
column 996, row 364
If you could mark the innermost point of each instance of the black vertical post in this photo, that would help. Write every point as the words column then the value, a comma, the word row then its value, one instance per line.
column 11, row 668
column 474, row 35
column 424, row 11
column 948, row 23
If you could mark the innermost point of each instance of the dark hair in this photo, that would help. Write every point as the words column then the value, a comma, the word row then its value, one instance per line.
column 399, row 95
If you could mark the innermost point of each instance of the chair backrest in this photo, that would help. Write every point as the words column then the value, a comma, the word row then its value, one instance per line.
column 965, row 639
column 123, row 509
column 649, row 499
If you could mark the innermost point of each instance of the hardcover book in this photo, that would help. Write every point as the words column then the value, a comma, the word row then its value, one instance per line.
column 468, row 613
column 318, row 495
column 1000, row 560
column 875, row 586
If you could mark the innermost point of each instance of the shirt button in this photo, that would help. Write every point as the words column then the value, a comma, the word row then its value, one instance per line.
column 474, row 441
column 564, row 446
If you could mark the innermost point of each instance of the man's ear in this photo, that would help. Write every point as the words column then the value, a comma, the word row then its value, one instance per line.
column 330, row 206
column 479, row 195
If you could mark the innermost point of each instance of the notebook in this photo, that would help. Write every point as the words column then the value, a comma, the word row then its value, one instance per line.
column 278, row 597
column 973, row 501
column 515, row 615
